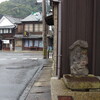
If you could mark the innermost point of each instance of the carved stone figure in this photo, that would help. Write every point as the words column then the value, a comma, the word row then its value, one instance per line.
column 78, row 58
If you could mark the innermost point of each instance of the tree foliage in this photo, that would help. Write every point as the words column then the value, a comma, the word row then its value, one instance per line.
column 19, row 8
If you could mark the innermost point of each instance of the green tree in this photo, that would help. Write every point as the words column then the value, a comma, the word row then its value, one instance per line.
column 19, row 8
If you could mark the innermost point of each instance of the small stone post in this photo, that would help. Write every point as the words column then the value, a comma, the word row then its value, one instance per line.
column 79, row 58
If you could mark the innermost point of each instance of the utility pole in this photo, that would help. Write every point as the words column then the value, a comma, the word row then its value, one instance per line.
column 45, row 53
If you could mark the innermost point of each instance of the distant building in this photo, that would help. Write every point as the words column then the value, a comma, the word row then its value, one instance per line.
column 29, row 33
column 8, row 26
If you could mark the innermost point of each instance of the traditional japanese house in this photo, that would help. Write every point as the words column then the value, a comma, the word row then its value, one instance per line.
column 29, row 33
column 8, row 26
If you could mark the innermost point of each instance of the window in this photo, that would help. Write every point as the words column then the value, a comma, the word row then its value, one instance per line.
column 41, row 27
column 28, row 43
column 1, row 31
column 41, row 43
column 5, row 30
column 20, row 28
column 10, row 30
column 29, row 27
column 38, row 43
column 26, row 27
column 38, row 27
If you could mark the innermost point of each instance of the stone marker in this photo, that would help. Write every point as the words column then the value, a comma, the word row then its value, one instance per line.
column 78, row 58
column 79, row 79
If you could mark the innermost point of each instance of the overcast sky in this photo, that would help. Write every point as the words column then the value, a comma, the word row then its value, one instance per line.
column 3, row 0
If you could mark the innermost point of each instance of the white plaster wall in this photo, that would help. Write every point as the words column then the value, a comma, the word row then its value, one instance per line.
column 5, row 22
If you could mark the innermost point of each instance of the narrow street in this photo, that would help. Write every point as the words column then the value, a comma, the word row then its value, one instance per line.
column 16, row 70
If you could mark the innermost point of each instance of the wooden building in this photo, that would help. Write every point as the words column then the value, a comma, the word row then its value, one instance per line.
column 76, row 20
column 29, row 33
column 8, row 27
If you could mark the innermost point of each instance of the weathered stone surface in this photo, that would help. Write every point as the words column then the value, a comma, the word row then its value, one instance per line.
column 81, row 43
column 78, row 58
column 58, row 88
column 81, row 82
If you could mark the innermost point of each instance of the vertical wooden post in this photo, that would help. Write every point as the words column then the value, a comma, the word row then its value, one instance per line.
column 94, row 39
column 45, row 54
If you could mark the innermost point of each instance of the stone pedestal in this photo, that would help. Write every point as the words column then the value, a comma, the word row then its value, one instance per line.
column 58, row 88
column 81, row 83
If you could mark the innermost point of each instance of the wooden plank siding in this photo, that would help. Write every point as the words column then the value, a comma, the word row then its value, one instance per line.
column 97, row 40
column 77, row 24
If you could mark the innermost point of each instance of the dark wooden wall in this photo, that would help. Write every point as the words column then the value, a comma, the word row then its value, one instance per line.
column 97, row 39
column 77, row 24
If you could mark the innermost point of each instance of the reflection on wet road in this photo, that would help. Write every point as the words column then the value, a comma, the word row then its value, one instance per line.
column 15, row 74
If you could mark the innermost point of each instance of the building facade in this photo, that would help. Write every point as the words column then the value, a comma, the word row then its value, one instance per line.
column 29, row 33
column 8, row 27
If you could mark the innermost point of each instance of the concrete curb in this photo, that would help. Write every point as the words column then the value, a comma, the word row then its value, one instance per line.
column 25, row 93
column 22, row 51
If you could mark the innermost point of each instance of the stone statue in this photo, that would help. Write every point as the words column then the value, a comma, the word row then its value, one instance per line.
column 78, row 58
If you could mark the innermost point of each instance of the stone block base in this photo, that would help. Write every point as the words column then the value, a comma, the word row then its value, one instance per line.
column 58, row 88
column 81, row 82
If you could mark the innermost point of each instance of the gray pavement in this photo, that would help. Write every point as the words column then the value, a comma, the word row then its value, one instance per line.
column 41, row 89
column 16, row 71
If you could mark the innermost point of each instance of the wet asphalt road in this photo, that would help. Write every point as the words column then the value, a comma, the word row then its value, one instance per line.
column 16, row 70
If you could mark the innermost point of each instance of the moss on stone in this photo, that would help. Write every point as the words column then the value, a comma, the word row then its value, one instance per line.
column 81, row 82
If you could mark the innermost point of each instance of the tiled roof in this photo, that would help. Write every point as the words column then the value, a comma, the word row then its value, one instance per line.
column 33, row 17
column 13, row 20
